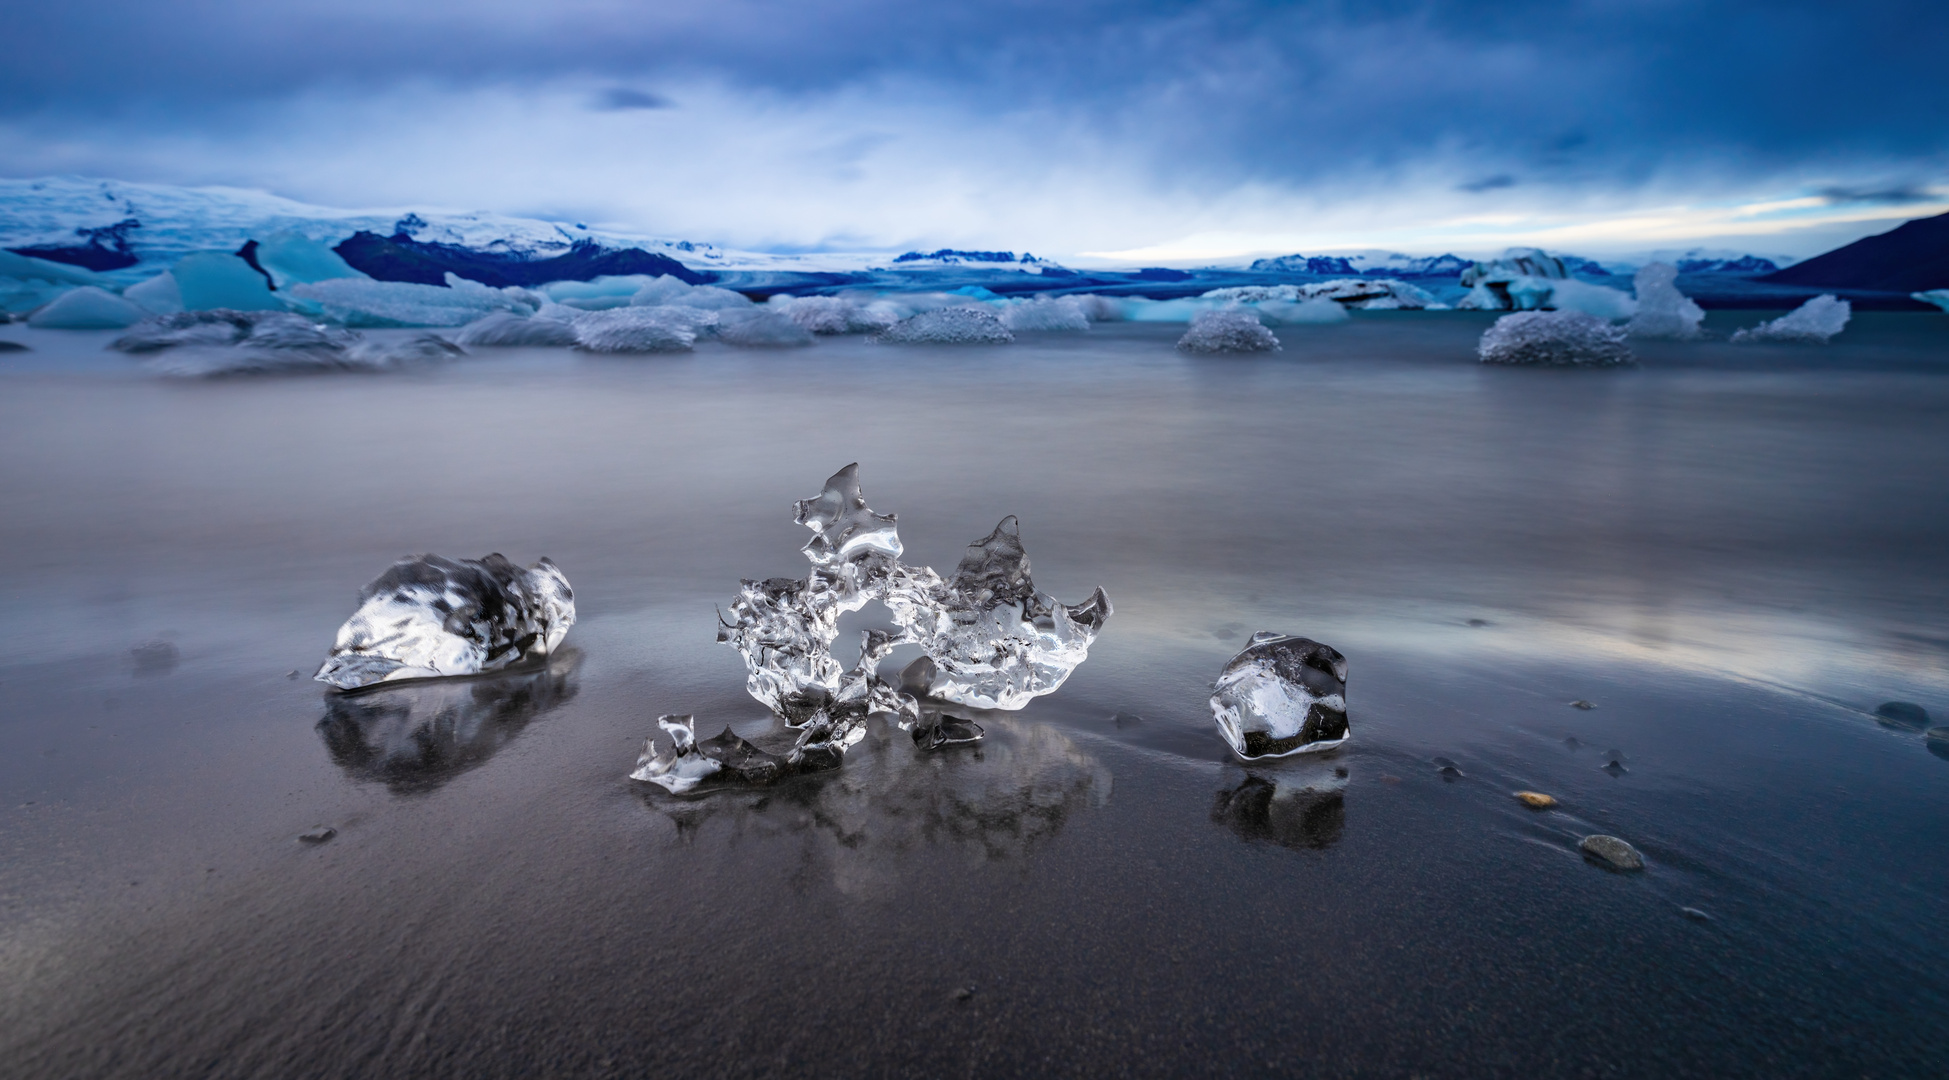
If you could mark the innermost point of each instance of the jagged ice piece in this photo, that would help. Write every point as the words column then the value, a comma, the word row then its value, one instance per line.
column 1814, row 322
column 1663, row 311
column 1227, row 330
column 1554, row 338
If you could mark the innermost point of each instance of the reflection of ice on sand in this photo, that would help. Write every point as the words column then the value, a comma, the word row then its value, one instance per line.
column 416, row 736
column 1299, row 806
column 993, row 800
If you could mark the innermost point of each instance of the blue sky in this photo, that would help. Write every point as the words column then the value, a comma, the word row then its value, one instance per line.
column 1154, row 132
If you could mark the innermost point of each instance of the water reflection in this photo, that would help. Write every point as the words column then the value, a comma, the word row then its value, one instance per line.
column 997, row 799
column 1298, row 808
column 417, row 736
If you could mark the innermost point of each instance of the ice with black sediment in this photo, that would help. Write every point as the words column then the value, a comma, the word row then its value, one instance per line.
column 1554, row 339
column 1227, row 330
column 991, row 641
column 948, row 326
column 1813, row 323
column 1282, row 695
column 430, row 616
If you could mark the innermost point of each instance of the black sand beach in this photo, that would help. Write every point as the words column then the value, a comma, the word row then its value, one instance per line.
column 1734, row 552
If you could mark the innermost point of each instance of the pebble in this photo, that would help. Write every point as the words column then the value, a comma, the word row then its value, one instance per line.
column 1902, row 714
column 291, row 674
column 1580, row 703
column 963, row 993
column 1614, row 852
column 318, row 835
column 1536, row 800
column 1447, row 768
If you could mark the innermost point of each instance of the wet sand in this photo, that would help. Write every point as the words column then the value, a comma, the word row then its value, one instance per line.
column 1735, row 553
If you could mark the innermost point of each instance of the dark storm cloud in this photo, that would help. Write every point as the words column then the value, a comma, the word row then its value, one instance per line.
column 1601, row 92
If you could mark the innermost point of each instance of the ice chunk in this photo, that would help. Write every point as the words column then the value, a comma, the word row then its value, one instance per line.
column 87, row 308
column 1938, row 297
column 159, row 294
column 1573, row 295
column 291, row 258
column 430, row 616
column 992, row 640
column 504, row 328
column 995, row 642
column 948, row 326
column 188, row 328
column 1282, row 695
column 1558, row 338
column 636, row 329
column 27, row 268
column 420, row 349
column 832, row 315
column 1313, row 310
column 362, row 303
column 274, row 343
column 1045, row 313
column 1814, row 322
column 218, row 279
column 935, row 732
column 1229, row 330
column 760, row 329
column 1663, row 311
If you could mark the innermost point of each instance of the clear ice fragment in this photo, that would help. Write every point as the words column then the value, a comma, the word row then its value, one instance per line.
column 1282, row 695
column 1663, row 311
column 637, row 329
column 1554, row 339
column 504, row 328
column 430, row 616
column 760, row 329
column 946, row 730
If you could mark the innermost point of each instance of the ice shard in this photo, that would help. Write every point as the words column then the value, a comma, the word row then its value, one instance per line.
column 991, row 640
column 430, row 616
column 1282, row 695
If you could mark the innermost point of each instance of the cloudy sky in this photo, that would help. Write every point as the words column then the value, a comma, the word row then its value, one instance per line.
column 1126, row 131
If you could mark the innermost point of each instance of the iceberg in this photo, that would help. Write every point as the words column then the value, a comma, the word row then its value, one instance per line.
column 1228, row 330
column 1554, row 338
column 1814, row 322
column 1045, row 313
column 948, row 326
column 760, row 328
column 1368, row 294
column 1663, row 311
column 640, row 329
column 428, row 617
column 504, row 328
column 1314, row 310
column 1282, row 695
column 1938, row 297
column 87, row 308
column 291, row 258
column 206, row 344
column 159, row 294
column 364, row 303
column 833, row 315
column 217, row 279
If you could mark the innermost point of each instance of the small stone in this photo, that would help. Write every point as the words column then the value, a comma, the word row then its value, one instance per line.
column 1536, row 800
column 1389, row 778
column 1694, row 914
column 1614, row 763
column 1612, row 852
column 1448, row 769
column 1580, row 703
column 1573, row 742
column 1905, row 715
column 963, row 993
column 1340, row 771
column 293, row 675
column 318, row 835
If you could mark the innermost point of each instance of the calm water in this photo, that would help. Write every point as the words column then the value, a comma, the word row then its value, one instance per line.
column 1735, row 553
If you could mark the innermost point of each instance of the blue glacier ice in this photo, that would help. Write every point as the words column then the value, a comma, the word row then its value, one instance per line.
column 87, row 308
column 292, row 258
column 362, row 302
column 207, row 280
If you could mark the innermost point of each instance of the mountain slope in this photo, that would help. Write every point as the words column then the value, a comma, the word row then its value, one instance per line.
column 1912, row 257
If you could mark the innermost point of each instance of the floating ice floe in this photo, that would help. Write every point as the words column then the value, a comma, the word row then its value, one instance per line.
column 991, row 641
column 291, row 258
column 833, row 314
column 429, row 616
column 1554, row 338
column 358, row 302
column 87, row 308
column 1367, row 294
column 1938, row 297
column 506, row 329
column 1526, row 279
column 1230, row 330
column 641, row 329
column 217, row 279
column 948, row 326
column 1663, row 311
column 1045, row 313
column 160, row 294
column 1814, row 322
column 1282, row 695
column 205, row 344
column 760, row 328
